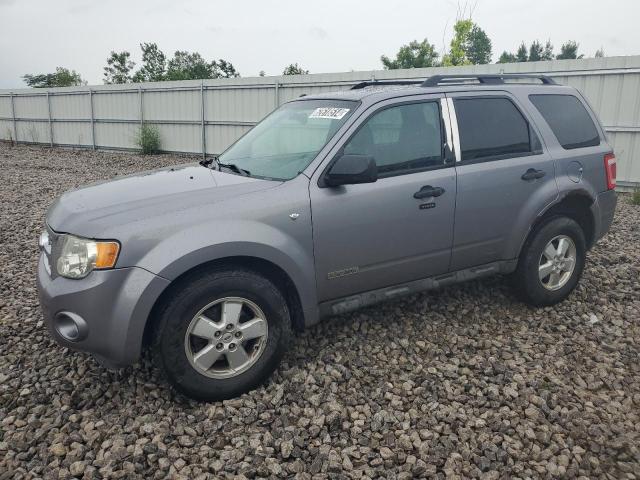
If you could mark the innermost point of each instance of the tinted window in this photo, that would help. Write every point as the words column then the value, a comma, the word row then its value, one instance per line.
column 490, row 128
column 568, row 120
column 401, row 139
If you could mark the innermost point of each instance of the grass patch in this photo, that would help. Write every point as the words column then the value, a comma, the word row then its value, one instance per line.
column 635, row 197
column 148, row 139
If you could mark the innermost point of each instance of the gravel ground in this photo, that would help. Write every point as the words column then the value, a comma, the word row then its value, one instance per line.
column 462, row 382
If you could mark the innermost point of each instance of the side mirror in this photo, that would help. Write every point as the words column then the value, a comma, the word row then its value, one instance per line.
column 351, row 169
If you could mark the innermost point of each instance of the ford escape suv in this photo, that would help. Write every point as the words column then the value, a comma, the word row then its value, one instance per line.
column 331, row 203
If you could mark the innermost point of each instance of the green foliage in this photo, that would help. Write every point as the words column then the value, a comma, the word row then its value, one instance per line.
column 478, row 46
column 535, row 51
column 415, row 55
column 547, row 53
column 118, row 69
column 189, row 66
column 148, row 139
column 262, row 73
column 569, row 51
column 521, row 54
column 599, row 53
column 154, row 64
column 507, row 57
column 225, row 69
column 63, row 77
column 470, row 45
column 635, row 197
column 295, row 69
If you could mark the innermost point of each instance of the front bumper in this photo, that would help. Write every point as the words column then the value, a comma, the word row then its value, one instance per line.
column 114, row 305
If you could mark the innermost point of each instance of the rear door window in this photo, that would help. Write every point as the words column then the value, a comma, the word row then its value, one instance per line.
column 568, row 119
column 492, row 128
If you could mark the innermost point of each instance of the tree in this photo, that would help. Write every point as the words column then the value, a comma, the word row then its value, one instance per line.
column 118, row 69
column 507, row 57
column 599, row 53
column 547, row 53
column 478, row 46
column 295, row 69
column 535, row 51
column 414, row 55
column 569, row 50
column 63, row 77
column 457, row 54
column 154, row 64
column 189, row 66
column 521, row 54
column 225, row 69
column 262, row 73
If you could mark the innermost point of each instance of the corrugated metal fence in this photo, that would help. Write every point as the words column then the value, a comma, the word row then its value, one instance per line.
column 206, row 116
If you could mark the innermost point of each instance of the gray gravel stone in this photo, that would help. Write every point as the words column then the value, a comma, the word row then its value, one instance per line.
column 461, row 382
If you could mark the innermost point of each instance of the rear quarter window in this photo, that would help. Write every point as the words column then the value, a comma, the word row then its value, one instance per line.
column 568, row 119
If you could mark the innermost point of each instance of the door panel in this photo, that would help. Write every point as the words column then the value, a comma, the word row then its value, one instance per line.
column 494, row 202
column 374, row 235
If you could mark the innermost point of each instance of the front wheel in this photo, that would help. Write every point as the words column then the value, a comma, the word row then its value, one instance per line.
column 221, row 334
column 551, row 262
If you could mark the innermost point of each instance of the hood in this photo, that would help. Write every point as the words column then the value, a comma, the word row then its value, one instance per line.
column 92, row 209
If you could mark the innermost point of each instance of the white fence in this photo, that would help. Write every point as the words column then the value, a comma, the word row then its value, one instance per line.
column 206, row 116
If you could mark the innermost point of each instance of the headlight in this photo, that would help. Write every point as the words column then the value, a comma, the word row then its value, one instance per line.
column 78, row 257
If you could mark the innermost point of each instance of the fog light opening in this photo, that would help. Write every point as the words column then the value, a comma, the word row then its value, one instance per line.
column 71, row 326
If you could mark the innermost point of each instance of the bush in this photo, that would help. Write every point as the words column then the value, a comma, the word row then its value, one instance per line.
column 148, row 139
column 635, row 197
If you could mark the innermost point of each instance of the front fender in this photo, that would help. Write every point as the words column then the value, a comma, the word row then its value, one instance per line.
column 291, row 251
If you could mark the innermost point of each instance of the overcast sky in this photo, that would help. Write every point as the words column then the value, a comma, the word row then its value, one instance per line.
column 322, row 36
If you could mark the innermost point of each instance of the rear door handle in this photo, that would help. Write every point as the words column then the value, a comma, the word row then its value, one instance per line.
column 533, row 174
column 428, row 191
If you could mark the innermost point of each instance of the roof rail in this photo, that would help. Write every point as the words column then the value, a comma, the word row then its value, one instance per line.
column 370, row 83
column 484, row 79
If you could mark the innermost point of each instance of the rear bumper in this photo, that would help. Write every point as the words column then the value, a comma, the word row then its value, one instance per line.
column 603, row 211
column 111, row 308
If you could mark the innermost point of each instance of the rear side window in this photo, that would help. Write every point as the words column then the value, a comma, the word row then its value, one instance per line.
column 568, row 119
column 492, row 128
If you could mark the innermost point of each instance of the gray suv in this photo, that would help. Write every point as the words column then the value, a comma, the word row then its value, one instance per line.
column 333, row 202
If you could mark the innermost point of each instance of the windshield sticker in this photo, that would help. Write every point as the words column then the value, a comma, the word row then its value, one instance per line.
column 329, row 112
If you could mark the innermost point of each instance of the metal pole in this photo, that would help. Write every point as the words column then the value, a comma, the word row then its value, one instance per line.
column 13, row 115
column 141, row 106
column 202, row 115
column 93, row 123
column 277, row 94
column 50, row 122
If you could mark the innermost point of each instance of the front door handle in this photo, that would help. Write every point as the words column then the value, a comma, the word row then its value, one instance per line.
column 428, row 191
column 533, row 174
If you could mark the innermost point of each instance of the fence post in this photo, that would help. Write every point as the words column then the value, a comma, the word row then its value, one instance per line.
column 202, row 117
column 277, row 94
column 13, row 115
column 50, row 122
column 141, row 106
column 93, row 129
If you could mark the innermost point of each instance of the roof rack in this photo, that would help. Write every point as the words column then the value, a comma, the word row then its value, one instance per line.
column 370, row 83
column 484, row 79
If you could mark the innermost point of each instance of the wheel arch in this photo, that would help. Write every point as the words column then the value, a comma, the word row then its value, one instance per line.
column 274, row 273
column 575, row 205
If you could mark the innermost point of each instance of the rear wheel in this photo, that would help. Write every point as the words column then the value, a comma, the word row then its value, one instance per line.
column 222, row 333
column 551, row 262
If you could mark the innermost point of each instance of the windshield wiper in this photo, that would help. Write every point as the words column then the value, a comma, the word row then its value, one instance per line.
column 219, row 165
column 210, row 161
column 233, row 167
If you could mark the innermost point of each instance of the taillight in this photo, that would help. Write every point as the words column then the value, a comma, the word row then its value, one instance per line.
column 610, row 168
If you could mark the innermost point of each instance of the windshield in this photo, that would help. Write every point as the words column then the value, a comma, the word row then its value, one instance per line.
column 285, row 142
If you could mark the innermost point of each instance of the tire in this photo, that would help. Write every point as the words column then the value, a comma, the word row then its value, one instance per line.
column 534, row 262
column 183, row 355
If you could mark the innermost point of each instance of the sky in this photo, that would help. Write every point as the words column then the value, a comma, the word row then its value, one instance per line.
column 36, row 36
